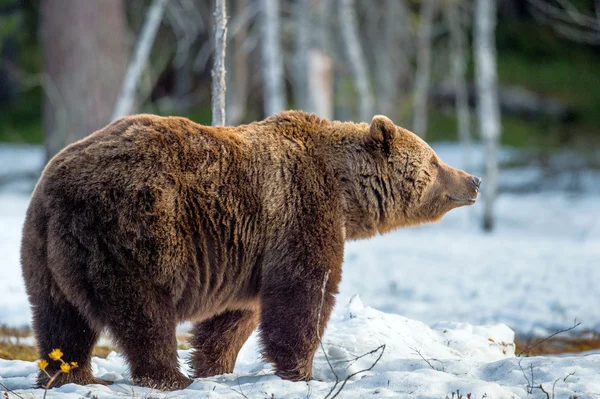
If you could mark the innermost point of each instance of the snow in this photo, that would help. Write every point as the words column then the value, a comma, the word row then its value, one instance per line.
column 537, row 272
column 418, row 361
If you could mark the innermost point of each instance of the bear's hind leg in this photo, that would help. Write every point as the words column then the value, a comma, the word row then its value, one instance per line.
column 59, row 325
column 143, row 324
column 218, row 340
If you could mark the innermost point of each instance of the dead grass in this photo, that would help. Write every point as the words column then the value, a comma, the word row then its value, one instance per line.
column 14, row 345
column 586, row 340
column 13, row 348
column 11, row 351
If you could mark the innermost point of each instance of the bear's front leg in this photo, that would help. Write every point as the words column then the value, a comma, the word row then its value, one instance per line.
column 297, row 296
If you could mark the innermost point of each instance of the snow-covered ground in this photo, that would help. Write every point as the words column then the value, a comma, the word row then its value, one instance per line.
column 538, row 271
column 417, row 361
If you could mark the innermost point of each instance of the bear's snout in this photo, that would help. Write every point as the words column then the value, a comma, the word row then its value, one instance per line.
column 462, row 188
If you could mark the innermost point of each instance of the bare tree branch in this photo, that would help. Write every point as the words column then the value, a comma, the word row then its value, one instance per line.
column 237, row 61
column 140, row 58
column 529, row 348
column 337, row 380
column 382, row 348
column 187, row 23
column 349, row 27
column 423, row 73
column 418, row 352
column 567, row 21
column 273, row 79
column 459, row 70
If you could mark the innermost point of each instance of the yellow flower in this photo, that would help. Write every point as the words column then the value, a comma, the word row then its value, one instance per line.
column 65, row 367
column 42, row 364
column 74, row 364
column 56, row 354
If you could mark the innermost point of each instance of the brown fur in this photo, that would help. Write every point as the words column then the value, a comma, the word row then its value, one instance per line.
column 152, row 221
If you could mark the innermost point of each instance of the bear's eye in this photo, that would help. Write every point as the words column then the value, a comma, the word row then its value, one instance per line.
column 435, row 164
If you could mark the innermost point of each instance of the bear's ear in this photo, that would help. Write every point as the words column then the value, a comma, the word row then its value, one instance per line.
column 382, row 131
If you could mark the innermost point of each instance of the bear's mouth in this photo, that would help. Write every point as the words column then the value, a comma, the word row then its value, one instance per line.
column 463, row 200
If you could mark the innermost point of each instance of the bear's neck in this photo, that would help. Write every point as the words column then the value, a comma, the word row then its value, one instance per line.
column 364, row 187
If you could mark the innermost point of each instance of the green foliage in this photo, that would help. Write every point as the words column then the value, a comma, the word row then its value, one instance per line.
column 529, row 55
column 533, row 57
column 201, row 115
column 516, row 132
column 22, row 122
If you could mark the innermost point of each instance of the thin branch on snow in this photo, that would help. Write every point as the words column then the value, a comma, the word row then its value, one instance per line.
column 541, row 388
column 529, row 381
column 382, row 348
column 418, row 352
column 574, row 326
column 333, row 393
column 8, row 390
column 337, row 379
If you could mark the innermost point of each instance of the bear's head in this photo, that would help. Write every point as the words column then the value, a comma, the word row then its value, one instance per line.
column 421, row 187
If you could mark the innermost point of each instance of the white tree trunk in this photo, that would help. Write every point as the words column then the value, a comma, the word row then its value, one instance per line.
column 349, row 31
column 388, row 71
column 301, row 55
column 458, row 56
column 488, row 109
column 320, row 84
column 237, row 93
column 274, row 87
column 84, row 64
column 320, row 65
column 423, row 73
column 404, row 48
column 218, row 71
column 141, row 53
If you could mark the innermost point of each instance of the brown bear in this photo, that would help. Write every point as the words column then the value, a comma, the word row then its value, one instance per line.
column 153, row 220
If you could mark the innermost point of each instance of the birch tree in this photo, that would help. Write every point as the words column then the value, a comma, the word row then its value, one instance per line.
column 126, row 101
column 423, row 73
column 85, row 57
column 384, row 65
column 349, row 31
column 458, row 59
column 318, row 63
column 237, row 79
column 488, row 109
column 218, row 71
column 301, row 62
column 273, row 79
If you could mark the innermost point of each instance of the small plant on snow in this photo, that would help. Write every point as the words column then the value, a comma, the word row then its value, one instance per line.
column 65, row 367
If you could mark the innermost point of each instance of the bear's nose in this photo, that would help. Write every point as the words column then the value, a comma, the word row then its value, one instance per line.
column 476, row 181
